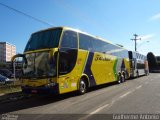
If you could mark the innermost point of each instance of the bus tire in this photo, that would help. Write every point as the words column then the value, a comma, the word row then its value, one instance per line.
column 119, row 79
column 137, row 74
column 124, row 77
column 82, row 87
column 146, row 73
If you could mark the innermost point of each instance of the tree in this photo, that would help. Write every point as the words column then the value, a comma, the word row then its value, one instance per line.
column 152, row 62
column 158, row 60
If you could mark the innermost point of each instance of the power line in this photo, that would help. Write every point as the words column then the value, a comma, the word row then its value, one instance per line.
column 142, row 43
column 25, row 14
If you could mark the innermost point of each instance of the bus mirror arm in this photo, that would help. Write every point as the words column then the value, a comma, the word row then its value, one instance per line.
column 19, row 55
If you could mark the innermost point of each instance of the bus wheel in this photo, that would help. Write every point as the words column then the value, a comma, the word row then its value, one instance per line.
column 119, row 79
column 137, row 75
column 82, row 87
column 146, row 73
column 123, row 77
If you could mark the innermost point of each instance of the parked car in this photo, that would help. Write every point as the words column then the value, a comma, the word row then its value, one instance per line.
column 7, row 73
column 4, row 80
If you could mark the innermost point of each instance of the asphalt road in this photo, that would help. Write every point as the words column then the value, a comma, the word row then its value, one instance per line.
column 136, row 96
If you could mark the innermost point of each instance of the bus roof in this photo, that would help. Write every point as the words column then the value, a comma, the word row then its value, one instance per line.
column 79, row 31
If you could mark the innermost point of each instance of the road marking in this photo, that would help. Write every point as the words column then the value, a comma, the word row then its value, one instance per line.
column 99, row 109
column 94, row 112
column 139, row 87
column 105, row 106
column 122, row 96
column 108, row 105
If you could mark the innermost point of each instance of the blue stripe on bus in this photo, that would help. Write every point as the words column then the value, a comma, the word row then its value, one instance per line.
column 88, row 70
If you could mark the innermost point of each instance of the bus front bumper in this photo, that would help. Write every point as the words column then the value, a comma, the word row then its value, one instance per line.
column 41, row 89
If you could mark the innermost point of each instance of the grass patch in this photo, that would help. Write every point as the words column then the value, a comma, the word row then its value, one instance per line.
column 11, row 88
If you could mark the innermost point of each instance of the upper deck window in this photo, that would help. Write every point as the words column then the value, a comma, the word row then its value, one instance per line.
column 44, row 39
column 69, row 39
column 85, row 42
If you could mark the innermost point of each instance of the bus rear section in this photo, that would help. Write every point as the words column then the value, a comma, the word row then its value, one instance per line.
column 138, row 64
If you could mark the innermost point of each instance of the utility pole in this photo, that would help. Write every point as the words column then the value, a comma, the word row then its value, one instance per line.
column 135, row 39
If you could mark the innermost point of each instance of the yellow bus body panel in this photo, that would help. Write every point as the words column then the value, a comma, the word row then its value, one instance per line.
column 102, row 68
column 69, row 82
column 127, row 66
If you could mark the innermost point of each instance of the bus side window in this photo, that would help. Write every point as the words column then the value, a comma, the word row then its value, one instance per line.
column 69, row 40
column 63, row 63
column 85, row 42
column 68, row 52
column 67, row 60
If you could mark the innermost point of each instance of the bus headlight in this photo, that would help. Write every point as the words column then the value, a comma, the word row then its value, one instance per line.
column 50, row 84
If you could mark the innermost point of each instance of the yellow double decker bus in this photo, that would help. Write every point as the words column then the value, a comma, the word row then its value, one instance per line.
column 62, row 59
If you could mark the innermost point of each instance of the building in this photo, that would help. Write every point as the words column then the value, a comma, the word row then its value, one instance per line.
column 7, row 51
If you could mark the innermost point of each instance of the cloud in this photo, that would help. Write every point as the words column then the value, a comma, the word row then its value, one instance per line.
column 147, row 37
column 155, row 17
column 144, row 39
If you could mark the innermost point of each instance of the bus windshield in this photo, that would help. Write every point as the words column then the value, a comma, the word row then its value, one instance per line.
column 44, row 39
column 40, row 65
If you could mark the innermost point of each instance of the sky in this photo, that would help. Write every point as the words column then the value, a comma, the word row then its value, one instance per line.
column 113, row 20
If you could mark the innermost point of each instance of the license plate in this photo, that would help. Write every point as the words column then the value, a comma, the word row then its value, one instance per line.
column 34, row 91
